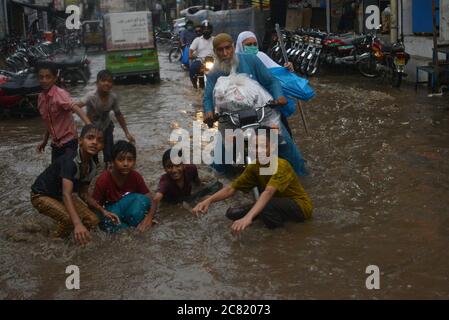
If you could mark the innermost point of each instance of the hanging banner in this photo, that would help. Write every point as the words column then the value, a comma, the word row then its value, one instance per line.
column 128, row 30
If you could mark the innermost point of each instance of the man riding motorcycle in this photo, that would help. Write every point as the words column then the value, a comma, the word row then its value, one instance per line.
column 200, row 48
column 186, row 38
column 228, row 62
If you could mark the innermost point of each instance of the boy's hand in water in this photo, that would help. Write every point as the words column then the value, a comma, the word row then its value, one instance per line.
column 208, row 119
column 239, row 225
column 41, row 147
column 201, row 207
column 130, row 138
column 112, row 216
column 145, row 224
column 82, row 235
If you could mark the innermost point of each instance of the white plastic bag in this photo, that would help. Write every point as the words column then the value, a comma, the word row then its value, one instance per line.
column 238, row 91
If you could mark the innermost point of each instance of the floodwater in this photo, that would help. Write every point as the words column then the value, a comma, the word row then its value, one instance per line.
column 379, row 182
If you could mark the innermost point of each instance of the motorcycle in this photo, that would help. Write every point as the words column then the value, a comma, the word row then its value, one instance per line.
column 250, row 118
column 175, row 53
column 311, row 57
column 386, row 60
column 163, row 36
column 346, row 49
column 72, row 70
column 314, row 58
column 19, row 94
column 207, row 64
column 276, row 52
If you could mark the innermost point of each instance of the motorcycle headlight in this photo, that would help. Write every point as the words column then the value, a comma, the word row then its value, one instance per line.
column 209, row 65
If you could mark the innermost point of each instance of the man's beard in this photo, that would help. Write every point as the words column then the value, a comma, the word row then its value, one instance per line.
column 226, row 66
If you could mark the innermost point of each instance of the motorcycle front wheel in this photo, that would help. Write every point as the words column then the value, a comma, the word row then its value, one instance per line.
column 312, row 68
column 305, row 63
column 367, row 67
column 175, row 55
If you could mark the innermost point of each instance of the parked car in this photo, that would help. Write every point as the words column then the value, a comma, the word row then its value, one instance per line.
column 194, row 9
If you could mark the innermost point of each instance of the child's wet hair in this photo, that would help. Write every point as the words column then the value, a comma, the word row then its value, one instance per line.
column 166, row 157
column 87, row 128
column 123, row 147
column 104, row 75
column 47, row 66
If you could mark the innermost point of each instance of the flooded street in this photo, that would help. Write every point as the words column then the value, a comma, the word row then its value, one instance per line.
column 379, row 183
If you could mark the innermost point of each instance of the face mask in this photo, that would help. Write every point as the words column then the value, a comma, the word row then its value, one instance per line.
column 190, row 28
column 207, row 34
column 251, row 49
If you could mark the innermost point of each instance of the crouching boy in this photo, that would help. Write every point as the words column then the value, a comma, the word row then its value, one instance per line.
column 282, row 196
column 178, row 181
column 121, row 197
column 52, row 193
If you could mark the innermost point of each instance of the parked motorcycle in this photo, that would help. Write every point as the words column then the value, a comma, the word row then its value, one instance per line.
column 163, row 36
column 309, row 65
column 72, row 70
column 308, row 49
column 175, row 53
column 385, row 60
column 19, row 93
column 63, row 52
column 347, row 49
column 303, row 49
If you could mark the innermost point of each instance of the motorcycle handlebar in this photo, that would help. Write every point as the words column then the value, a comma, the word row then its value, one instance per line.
column 216, row 116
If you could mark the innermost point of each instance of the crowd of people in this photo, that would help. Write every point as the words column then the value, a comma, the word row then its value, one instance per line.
column 120, row 197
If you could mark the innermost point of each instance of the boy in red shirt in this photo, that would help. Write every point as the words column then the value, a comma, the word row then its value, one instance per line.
column 56, row 108
column 121, row 197
column 178, row 181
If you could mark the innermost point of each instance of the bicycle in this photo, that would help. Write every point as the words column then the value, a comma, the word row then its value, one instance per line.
column 175, row 53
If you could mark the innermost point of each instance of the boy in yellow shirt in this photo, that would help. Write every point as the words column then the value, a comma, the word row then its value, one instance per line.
column 282, row 199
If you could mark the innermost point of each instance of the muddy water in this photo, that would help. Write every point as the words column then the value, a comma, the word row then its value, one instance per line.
column 379, row 181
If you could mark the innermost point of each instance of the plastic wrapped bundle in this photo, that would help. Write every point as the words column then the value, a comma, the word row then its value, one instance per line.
column 238, row 92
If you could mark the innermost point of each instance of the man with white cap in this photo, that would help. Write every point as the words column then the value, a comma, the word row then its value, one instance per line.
column 226, row 61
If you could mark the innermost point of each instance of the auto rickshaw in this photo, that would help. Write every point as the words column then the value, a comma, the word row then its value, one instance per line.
column 131, row 49
column 93, row 34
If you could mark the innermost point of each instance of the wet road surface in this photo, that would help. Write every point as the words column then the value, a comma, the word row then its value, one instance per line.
column 379, row 182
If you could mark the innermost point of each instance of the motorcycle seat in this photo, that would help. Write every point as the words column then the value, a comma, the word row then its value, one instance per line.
column 355, row 40
column 31, row 83
column 393, row 48
column 21, row 84
column 358, row 40
column 61, row 62
column 342, row 37
column 13, row 86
